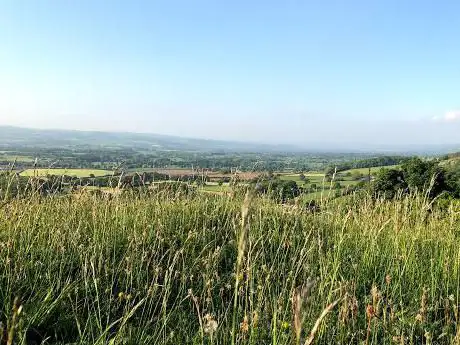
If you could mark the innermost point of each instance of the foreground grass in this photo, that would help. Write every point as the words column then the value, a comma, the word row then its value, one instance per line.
column 205, row 270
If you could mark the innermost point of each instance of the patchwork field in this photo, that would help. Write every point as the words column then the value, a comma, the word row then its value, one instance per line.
column 12, row 158
column 211, row 174
column 68, row 172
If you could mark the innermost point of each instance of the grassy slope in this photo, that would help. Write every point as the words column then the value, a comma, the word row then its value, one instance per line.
column 148, row 270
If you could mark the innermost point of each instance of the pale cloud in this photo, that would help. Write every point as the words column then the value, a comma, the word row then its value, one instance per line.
column 453, row 115
column 450, row 116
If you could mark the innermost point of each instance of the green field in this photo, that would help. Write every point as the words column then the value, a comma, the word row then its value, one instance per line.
column 312, row 178
column 215, row 188
column 365, row 171
column 13, row 158
column 317, row 179
column 68, row 172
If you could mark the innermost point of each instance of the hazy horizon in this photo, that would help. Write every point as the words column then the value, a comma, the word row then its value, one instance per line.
column 257, row 145
column 266, row 72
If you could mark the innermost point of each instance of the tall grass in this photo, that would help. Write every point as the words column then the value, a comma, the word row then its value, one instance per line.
column 202, row 269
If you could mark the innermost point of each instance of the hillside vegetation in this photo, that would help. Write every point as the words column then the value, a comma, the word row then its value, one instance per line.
column 202, row 269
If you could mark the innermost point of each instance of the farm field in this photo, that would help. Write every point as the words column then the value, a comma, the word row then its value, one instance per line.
column 68, row 172
column 12, row 158
column 323, row 187
column 210, row 187
column 211, row 174
column 317, row 179
column 366, row 170
column 296, row 177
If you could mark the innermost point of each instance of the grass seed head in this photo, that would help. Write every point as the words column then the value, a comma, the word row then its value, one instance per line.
column 244, row 326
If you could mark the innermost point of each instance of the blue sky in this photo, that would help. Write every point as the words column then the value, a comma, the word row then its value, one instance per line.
column 343, row 72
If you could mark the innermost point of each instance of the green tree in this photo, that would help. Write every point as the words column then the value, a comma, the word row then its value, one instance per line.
column 421, row 174
column 287, row 190
column 304, row 179
column 330, row 171
column 388, row 182
column 453, row 181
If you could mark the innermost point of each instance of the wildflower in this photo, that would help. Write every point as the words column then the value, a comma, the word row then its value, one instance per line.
column 285, row 325
column 210, row 325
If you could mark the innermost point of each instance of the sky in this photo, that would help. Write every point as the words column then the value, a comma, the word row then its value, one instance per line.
column 293, row 72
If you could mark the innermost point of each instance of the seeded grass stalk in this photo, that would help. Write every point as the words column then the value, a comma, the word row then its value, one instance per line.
column 242, row 239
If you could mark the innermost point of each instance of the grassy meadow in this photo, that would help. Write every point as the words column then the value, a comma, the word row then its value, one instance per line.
column 224, row 269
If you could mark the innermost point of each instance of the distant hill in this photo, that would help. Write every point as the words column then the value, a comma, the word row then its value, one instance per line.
column 15, row 137
column 39, row 138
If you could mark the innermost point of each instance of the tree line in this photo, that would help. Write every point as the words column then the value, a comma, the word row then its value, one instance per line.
column 417, row 175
